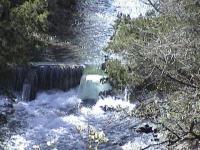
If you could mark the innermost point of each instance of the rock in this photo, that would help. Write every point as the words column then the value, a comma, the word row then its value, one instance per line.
column 146, row 129
column 3, row 119
column 155, row 135
column 107, row 108
column 104, row 65
column 6, row 106
column 155, row 131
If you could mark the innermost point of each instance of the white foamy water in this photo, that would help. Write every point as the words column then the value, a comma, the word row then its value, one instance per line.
column 57, row 120
column 134, row 8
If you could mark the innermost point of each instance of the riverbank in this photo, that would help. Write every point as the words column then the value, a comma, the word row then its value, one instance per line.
column 161, row 56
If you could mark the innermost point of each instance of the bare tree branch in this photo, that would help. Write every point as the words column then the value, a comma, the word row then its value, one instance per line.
column 161, row 143
column 154, row 6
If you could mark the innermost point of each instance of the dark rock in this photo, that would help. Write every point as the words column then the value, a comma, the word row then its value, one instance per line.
column 104, row 65
column 120, row 144
column 3, row 119
column 197, row 3
column 155, row 135
column 146, row 129
column 155, row 131
column 106, row 108
column 10, row 105
column 104, row 80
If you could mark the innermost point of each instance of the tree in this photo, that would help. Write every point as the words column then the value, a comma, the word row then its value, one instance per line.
column 163, row 51
column 21, row 26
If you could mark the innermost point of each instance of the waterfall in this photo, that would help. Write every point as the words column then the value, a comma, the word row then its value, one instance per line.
column 31, row 79
column 127, row 94
column 91, row 86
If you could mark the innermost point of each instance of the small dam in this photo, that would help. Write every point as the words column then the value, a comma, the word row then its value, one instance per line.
column 28, row 80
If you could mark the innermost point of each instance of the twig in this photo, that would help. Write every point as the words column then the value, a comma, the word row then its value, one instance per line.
column 154, row 6
column 155, row 144
column 177, row 80
column 168, row 129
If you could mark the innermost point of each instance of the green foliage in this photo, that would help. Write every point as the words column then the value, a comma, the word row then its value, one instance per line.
column 118, row 73
column 25, row 28
column 60, row 14
column 140, row 31
column 93, row 70
column 30, row 17
column 134, row 37
column 21, row 27
column 164, row 51
column 155, row 48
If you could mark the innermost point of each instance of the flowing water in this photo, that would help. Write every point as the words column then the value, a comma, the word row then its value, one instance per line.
column 91, row 28
column 58, row 120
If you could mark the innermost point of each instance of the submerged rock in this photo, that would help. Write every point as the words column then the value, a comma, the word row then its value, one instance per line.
column 145, row 129
column 3, row 119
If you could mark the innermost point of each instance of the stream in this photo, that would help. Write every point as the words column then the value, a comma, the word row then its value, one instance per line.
column 90, row 29
column 58, row 120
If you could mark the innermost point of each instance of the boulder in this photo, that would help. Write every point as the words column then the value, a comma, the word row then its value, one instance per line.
column 145, row 129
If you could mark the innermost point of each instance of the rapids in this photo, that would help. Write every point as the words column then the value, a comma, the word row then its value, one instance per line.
column 58, row 120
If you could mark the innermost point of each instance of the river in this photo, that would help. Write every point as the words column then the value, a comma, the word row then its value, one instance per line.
column 58, row 120
column 90, row 29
